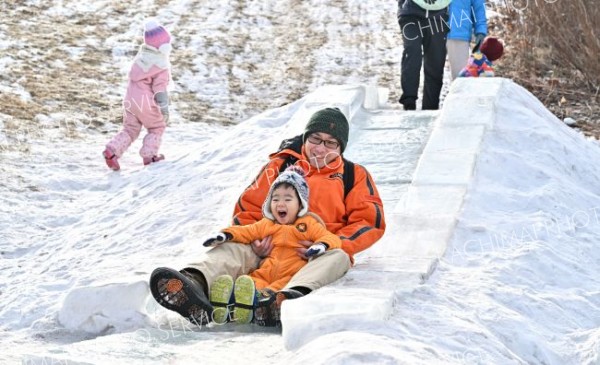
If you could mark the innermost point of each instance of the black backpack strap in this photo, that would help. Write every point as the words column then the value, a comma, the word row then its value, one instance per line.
column 289, row 161
column 348, row 177
column 294, row 144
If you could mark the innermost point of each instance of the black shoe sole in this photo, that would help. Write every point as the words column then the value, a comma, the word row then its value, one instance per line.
column 267, row 313
column 176, row 292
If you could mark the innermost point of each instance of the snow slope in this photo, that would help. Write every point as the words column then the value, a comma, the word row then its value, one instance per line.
column 518, row 282
column 93, row 236
column 516, row 260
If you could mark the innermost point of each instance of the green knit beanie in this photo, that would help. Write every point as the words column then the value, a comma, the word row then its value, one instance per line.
column 331, row 121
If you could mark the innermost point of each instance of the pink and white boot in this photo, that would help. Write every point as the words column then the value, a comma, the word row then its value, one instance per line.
column 111, row 159
column 149, row 160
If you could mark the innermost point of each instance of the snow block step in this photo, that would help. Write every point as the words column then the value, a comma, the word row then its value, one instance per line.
column 97, row 309
column 392, row 119
column 332, row 311
column 348, row 99
column 421, row 222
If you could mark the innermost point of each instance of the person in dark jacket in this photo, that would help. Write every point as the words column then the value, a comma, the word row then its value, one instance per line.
column 424, row 29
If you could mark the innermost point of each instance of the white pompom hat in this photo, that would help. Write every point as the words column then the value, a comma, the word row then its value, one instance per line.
column 295, row 176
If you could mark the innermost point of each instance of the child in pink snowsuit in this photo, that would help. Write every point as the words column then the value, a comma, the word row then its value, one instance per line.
column 146, row 102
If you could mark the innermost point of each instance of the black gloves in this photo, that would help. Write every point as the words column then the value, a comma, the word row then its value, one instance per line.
column 162, row 100
column 317, row 249
column 479, row 37
column 217, row 239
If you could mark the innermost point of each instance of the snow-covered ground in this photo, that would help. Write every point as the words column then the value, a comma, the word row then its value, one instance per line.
column 518, row 282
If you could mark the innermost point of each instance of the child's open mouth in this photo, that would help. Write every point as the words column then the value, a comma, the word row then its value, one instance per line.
column 281, row 214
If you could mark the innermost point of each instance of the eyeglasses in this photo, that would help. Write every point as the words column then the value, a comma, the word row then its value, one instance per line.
column 330, row 144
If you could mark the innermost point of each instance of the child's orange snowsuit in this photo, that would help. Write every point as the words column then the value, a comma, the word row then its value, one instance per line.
column 283, row 261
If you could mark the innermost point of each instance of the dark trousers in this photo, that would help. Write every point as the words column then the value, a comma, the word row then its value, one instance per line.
column 424, row 43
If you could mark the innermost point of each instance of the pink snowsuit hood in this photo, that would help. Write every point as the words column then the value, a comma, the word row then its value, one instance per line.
column 150, row 62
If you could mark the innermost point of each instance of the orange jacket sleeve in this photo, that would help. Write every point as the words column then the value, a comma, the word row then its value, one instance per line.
column 248, row 208
column 366, row 221
column 248, row 233
column 318, row 233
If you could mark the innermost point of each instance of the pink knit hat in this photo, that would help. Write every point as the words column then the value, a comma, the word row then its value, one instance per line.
column 155, row 35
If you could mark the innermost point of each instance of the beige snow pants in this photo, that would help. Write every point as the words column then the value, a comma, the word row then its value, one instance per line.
column 236, row 259
column 458, row 55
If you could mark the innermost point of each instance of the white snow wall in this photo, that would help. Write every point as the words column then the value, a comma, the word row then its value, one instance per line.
column 419, row 226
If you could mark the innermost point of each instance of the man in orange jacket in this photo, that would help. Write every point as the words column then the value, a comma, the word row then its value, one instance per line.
column 357, row 218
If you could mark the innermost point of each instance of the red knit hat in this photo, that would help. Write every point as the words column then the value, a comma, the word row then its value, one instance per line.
column 492, row 48
column 155, row 35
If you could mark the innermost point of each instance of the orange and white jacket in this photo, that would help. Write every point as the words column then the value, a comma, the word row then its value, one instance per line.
column 358, row 219
column 283, row 262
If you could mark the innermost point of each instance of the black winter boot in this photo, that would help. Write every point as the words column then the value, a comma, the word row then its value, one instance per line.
column 268, row 310
column 266, row 313
column 183, row 292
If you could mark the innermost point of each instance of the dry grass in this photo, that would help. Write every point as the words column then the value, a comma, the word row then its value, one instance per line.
column 552, row 48
column 66, row 67
column 53, row 80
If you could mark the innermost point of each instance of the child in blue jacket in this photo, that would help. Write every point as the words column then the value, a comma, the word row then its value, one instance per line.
column 467, row 17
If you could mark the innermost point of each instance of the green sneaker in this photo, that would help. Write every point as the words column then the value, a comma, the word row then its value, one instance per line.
column 220, row 294
column 244, row 291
